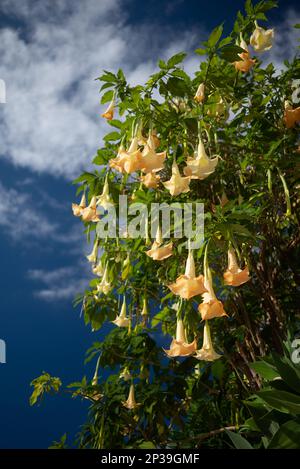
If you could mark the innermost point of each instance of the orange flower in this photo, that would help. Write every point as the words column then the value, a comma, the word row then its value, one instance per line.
column 90, row 213
column 77, row 209
column 131, row 402
column 128, row 161
column 246, row 63
column 188, row 285
column 150, row 180
column 200, row 93
column 157, row 251
column 210, row 307
column 235, row 276
column 151, row 160
column 291, row 116
column 201, row 166
column 122, row 320
column 207, row 352
column 109, row 113
column 177, row 184
column 179, row 346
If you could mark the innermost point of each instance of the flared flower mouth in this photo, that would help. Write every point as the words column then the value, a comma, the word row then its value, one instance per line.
column 128, row 161
column 210, row 307
column 200, row 93
column 105, row 285
column 179, row 346
column 122, row 320
column 201, row 166
column 262, row 39
column 160, row 252
column 177, row 184
column 150, row 180
column 90, row 213
column 235, row 276
column 291, row 116
column 131, row 402
column 109, row 113
column 77, row 208
column 152, row 161
column 188, row 285
column 207, row 352
column 246, row 63
column 105, row 200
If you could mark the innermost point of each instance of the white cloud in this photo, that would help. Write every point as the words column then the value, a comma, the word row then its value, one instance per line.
column 60, row 284
column 51, row 120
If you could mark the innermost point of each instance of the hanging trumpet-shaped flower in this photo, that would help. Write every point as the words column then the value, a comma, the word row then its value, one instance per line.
column 188, row 285
column 104, row 286
column 235, row 276
column 109, row 113
column 210, row 307
column 90, row 212
column 152, row 161
column 200, row 93
column 291, row 116
column 207, row 352
column 261, row 39
column 246, row 63
column 131, row 402
column 179, row 346
column 157, row 251
column 122, row 320
column 125, row 374
column 128, row 161
column 150, row 180
column 177, row 184
column 77, row 209
column 93, row 256
column 105, row 200
column 98, row 269
column 201, row 166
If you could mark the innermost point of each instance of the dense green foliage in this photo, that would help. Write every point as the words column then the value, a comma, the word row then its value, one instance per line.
column 251, row 202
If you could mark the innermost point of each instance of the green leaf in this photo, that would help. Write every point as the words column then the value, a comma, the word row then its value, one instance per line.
column 238, row 440
column 283, row 401
column 107, row 96
column 176, row 59
column 112, row 137
column 201, row 51
column 215, row 36
column 147, row 445
column 176, row 86
column 249, row 7
column 265, row 370
column 230, row 53
column 288, row 372
column 287, row 437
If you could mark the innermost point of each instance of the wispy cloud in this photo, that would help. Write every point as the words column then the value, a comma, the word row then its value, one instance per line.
column 60, row 284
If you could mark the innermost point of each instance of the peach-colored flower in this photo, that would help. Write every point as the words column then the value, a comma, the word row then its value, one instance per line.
column 235, row 276
column 105, row 200
column 77, row 209
column 131, row 402
column 188, row 285
column 152, row 161
column 159, row 252
column 291, row 116
column 109, row 113
column 150, row 180
column 261, row 39
column 90, row 212
column 210, row 307
column 177, row 184
column 179, row 346
column 128, row 161
column 207, row 352
column 98, row 269
column 105, row 285
column 201, row 166
column 122, row 320
column 200, row 93
column 246, row 63
column 93, row 256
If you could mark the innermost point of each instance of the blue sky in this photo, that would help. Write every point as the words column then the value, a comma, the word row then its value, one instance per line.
column 50, row 129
